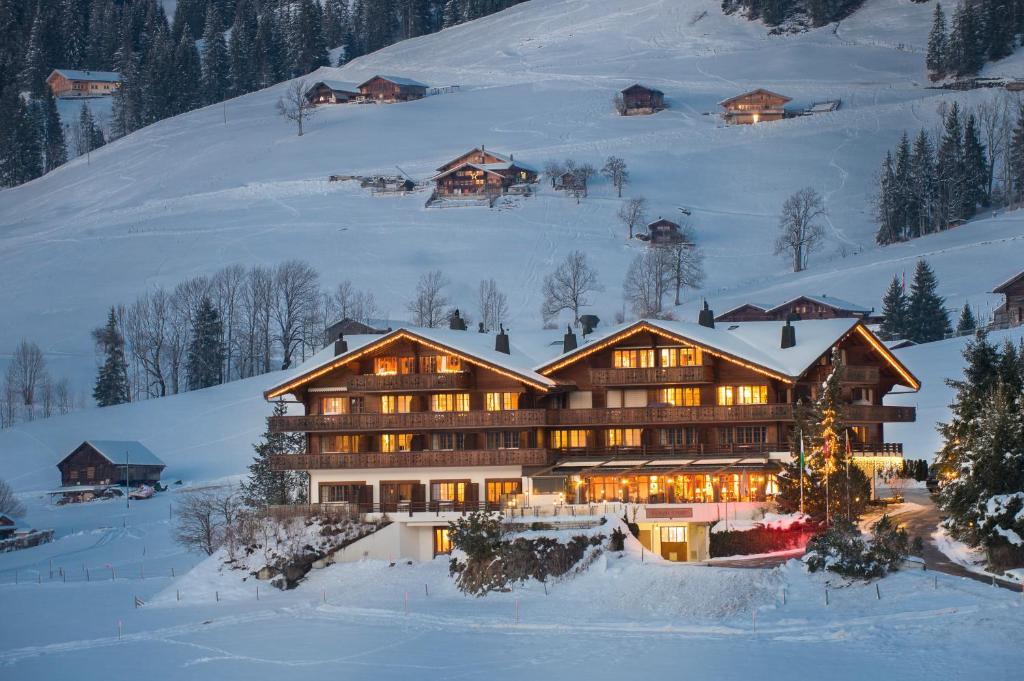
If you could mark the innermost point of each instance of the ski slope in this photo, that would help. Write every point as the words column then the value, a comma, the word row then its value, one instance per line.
column 234, row 184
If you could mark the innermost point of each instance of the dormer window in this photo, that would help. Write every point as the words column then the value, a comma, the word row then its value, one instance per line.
column 385, row 366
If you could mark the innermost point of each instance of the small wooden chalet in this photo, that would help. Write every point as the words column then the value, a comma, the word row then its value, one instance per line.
column 74, row 83
column 638, row 99
column 110, row 462
column 801, row 307
column 664, row 232
column 7, row 526
column 481, row 172
column 352, row 327
column 1011, row 312
column 332, row 92
column 392, row 89
column 756, row 106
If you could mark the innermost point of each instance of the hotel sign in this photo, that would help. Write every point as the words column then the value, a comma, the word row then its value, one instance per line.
column 668, row 512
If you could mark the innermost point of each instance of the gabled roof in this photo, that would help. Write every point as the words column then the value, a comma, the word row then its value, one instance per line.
column 758, row 91
column 763, row 307
column 493, row 168
column 337, row 86
column 1009, row 282
column 662, row 221
column 397, row 80
column 123, row 452
column 829, row 301
column 477, row 150
column 100, row 76
column 475, row 348
column 755, row 345
column 634, row 86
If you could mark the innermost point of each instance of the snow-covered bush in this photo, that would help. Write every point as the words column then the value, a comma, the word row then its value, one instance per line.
column 843, row 550
column 617, row 542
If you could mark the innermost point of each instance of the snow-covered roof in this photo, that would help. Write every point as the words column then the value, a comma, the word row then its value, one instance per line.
column 1009, row 282
column 469, row 344
column 831, row 301
column 124, row 452
column 642, row 87
column 99, row 76
column 337, row 86
column 397, row 80
column 494, row 168
column 758, row 91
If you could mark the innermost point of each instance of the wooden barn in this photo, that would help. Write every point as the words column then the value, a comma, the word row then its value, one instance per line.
column 392, row 89
column 481, row 172
column 332, row 92
column 801, row 307
column 664, row 232
column 638, row 99
column 1011, row 312
column 74, row 83
column 110, row 462
column 756, row 106
column 7, row 526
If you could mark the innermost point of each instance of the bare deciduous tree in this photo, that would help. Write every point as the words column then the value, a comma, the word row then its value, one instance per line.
column 616, row 172
column 633, row 214
column 351, row 303
column 293, row 104
column 429, row 307
column 493, row 305
column 800, row 233
column 63, row 397
column 29, row 373
column 199, row 522
column 568, row 287
column 10, row 504
column 648, row 279
column 687, row 262
column 295, row 285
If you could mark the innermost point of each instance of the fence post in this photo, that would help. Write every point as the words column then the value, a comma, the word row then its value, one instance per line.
column 216, row 594
column 177, row 594
column 517, row 611
column 826, row 595
column 878, row 594
column 426, row 591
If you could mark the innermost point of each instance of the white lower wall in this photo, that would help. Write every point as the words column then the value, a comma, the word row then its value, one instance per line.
column 373, row 476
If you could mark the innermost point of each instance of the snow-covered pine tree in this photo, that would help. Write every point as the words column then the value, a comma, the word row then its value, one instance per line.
column 186, row 93
column 937, row 57
column 453, row 13
column 887, row 211
column 894, row 311
column 998, row 31
column 35, row 69
column 966, row 49
column 27, row 148
column 927, row 318
column 1016, row 179
column 975, row 169
column 241, row 49
column 216, row 72
column 905, row 203
column 55, row 150
column 923, row 185
column 266, row 486
column 967, row 322
column 206, row 349
column 951, row 182
column 112, row 378
column 269, row 49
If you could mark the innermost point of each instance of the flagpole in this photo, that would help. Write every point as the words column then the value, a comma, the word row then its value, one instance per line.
column 849, row 455
column 801, row 435
column 828, row 509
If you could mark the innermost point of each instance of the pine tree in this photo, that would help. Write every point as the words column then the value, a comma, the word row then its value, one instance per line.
column 205, row 362
column 905, row 203
column 975, row 166
column 112, row 378
column 998, row 32
column 1016, row 179
column 127, row 104
column 215, row 70
column 27, row 147
column 453, row 13
column 34, row 72
column 185, row 94
column 966, row 51
column 55, row 150
column 306, row 43
column 73, row 31
column 938, row 47
column 923, row 185
column 241, row 49
column 951, row 182
column 888, row 229
column 894, row 311
column 927, row 318
column 267, row 486
column 967, row 323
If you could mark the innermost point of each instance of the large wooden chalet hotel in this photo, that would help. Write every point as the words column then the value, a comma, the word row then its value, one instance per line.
column 688, row 421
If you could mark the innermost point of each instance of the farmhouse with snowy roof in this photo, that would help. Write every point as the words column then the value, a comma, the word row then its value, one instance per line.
column 639, row 99
column 332, row 92
column 1011, row 312
column 676, row 417
column 756, row 106
column 800, row 307
column 481, row 172
column 75, row 83
column 110, row 462
column 392, row 89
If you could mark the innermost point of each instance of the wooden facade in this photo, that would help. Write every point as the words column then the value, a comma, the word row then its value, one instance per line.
column 95, row 464
column 74, row 83
column 801, row 307
column 388, row 89
column 332, row 92
column 1011, row 312
column 757, row 106
column 664, row 232
column 639, row 100
column 480, row 172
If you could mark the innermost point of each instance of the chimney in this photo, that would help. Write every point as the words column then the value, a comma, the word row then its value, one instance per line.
column 568, row 340
column 706, row 317
column 788, row 335
column 501, row 342
column 512, row 158
column 340, row 345
column 589, row 322
column 481, row 329
column 455, row 322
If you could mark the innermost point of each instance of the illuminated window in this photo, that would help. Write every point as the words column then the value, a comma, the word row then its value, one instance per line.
column 396, row 404
column 680, row 397
column 497, row 489
column 502, row 401
column 622, row 437
column 680, row 357
column 751, row 435
column 442, row 542
column 674, row 534
column 859, row 434
column 339, row 444
column 385, row 366
column 448, row 490
column 396, row 442
column 503, row 439
column 334, row 405
column 448, row 441
column 751, row 394
column 406, row 365
column 725, row 395
column 440, row 364
column 568, row 439
column 632, row 359
column 449, row 402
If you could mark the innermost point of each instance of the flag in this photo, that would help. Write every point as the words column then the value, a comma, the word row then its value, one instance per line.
column 802, row 465
column 849, row 448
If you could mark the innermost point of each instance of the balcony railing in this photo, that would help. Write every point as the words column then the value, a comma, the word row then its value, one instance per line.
column 420, row 420
column 640, row 416
column 878, row 413
column 652, row 375
column 424, row 459
column 408, row 382
column 852, row 373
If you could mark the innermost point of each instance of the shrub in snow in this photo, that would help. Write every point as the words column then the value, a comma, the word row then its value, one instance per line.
column 760, row 539
column 843, row 550
column 617, row 542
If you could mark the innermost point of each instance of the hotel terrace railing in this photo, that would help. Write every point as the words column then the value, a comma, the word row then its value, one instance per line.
column 386, row 383
column 652, row 375
column 852, row 373
column 609, row 416
column 425, row 459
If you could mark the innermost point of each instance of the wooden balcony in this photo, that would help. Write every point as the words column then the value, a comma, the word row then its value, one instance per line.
column 424, row 459
column 878, row 413
column 409, row 422
column 642, row 416
column 852, row 373
column 408, row 382
column 652, row 376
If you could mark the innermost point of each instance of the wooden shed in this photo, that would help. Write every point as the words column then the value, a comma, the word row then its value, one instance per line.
column 75, row 83
column 1011, row 312
column 110, row 462
column 639, row 99
column 332, row 92
column 664, row 232
column 756, row 106
column 392, row 89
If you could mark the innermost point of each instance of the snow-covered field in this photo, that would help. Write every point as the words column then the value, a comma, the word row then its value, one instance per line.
column 192, row 194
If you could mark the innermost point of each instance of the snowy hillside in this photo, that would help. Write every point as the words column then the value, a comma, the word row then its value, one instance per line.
column 193, row 193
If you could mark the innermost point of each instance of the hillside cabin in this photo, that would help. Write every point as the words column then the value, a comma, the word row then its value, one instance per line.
column 641, row 100
column 570, row 181
column 664, row 232
column 73, row 83
column 392, row 89
column 7, row 526
column 110, row 462
column 352, row 327
column 1011, row 312
column 332, row 92
column 480, row 172
column 801, row 307
column 756, row 106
